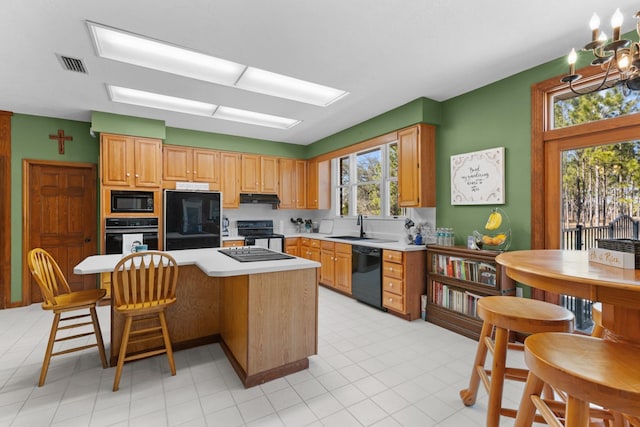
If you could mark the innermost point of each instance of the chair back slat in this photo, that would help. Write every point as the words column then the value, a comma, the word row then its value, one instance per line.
column 145, row 279
column 47, row 274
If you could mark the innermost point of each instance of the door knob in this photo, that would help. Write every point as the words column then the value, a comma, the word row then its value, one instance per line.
column 87, row 240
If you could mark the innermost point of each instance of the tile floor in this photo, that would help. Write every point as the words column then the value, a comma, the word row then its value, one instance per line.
column 372, row 369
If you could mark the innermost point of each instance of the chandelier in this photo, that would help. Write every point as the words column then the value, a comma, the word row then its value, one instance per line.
column 618, row 58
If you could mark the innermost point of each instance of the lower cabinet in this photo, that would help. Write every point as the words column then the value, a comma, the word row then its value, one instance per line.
column 292, row 246
column 336, row 266
column 403, row 282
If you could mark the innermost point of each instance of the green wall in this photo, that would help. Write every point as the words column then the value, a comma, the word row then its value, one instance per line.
column 30, row 140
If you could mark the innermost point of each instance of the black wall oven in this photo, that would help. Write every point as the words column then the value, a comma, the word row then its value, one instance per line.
column 131, row 201
column 116, row 228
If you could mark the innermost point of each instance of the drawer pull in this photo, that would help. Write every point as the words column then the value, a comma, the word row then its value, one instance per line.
column 391, row 285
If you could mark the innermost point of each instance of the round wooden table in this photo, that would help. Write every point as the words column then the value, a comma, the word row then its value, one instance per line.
column 571, row 273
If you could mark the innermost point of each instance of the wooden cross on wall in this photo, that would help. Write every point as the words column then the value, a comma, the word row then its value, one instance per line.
column 61, row 137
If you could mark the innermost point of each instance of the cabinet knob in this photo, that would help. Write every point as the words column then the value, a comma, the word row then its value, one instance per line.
column 391, row 269
column 195, row 172
column 390, row 299
column 137, row 176
column 188, row 172
column 128, row 174
column 391, row 285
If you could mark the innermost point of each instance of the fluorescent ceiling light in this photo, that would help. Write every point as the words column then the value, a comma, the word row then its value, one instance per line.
column 268, row 83
column 188, row 106
column 162, row 102
column 126, row 47
column 118, row 45
column 253, row 118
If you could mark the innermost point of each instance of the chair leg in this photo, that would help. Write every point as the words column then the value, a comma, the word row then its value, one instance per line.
column 167, row 342
column 577, row 413
column 469, row 394
column 527, row 410
column 98, row 332
column 497, row 377
column 47, row 355
column 123, row 352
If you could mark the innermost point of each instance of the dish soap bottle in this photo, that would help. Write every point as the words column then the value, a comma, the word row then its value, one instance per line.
column 418, row 239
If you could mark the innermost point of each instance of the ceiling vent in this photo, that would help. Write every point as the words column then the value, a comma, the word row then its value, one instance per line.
column 72, row 64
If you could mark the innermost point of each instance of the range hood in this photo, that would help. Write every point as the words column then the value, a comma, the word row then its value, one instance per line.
column 267, row 199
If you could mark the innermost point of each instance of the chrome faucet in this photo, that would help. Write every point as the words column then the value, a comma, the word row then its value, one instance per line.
column 360, row 222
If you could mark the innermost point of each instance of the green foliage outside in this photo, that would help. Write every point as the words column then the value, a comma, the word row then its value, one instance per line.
column 602, row 182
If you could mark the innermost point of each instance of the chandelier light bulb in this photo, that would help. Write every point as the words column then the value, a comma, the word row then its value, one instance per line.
column 594, row 23
column 573, row 57
column 602, row 37
column 616, row 23
column 623, row 62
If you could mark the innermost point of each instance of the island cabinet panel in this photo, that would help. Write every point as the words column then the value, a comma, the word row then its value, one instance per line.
column 235, row 317
column 265, row 343
column 193, row 320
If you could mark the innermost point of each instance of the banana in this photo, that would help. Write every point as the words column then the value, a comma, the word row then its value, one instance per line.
column 494, row 221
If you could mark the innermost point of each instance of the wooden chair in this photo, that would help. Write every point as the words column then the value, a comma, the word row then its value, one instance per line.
column 501, row 315
column 143, row 286
column 588, row 370
column 58, row 297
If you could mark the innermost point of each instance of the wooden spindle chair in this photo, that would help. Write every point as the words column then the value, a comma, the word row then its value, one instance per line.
column 59, row 298
column 143, row 286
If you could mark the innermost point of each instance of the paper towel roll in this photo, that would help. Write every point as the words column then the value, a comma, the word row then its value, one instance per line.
column 281, row 225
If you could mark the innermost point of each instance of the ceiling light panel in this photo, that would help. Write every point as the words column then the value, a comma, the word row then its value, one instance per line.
column 162, row 102
column 188, row 106
column 253, row 118
column 126, row 47
column 123, row 46
column 268, row 83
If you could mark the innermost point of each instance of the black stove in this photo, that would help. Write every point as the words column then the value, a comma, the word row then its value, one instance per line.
column 254, row 254
column 260, row 233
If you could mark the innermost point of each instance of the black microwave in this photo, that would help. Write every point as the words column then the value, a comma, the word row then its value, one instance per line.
column 131, row 201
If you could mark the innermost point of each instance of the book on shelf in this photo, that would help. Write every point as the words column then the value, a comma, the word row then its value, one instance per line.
column 487, row 273
column 454, row 299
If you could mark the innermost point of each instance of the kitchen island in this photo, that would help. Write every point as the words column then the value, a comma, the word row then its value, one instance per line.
column 264, row 314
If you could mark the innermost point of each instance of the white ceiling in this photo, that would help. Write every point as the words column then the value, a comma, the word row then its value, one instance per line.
column 384, row 52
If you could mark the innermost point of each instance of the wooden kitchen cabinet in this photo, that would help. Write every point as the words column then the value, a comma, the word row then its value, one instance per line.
column 416, row 166
column 128, row 161
column 230, row 180
column 292, row 185
column 292, row 246
column 310, row 249
column 232, row 243
column 319, row 184
column 259, row 174
column 190, row 165
column 403, row 282
column 336, row 265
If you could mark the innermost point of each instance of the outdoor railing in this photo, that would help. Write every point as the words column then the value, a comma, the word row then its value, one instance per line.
column 584, row 238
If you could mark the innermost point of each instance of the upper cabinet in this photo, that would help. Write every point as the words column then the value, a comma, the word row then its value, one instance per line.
column 259, row 174
column 292, row 185
column 190, row 164
column 319, row 184
column 416, row 166
column 130, row 161
column 230, row 164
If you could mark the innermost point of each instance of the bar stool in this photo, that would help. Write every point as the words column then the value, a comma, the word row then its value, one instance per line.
column 504, row 314
column 596, row 315
column 587, row 369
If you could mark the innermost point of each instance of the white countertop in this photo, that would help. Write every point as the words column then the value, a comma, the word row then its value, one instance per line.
column 396, row 246
column 210, row 261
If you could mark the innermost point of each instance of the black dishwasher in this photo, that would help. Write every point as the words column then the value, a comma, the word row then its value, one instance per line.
column 366, row 275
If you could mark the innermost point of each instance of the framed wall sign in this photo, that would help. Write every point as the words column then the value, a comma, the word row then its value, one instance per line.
column 477, row 178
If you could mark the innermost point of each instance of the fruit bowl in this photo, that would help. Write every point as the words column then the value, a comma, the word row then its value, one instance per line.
column 497, row 232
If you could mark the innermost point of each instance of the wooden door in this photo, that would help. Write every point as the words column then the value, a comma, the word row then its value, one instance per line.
column 148, row 162
column 312, row 179
column 268, row 174
column 60, row 217
column 286, row 192
column 177, row 163
column 117, row 160
column 230, row 164
column 250, row 181
column 343, row 267
column 206, row 167
column 408, row 173
column 327, row 259
column 300, row 184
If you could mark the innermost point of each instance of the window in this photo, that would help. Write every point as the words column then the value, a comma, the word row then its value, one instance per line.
column 571, row 110
column 367, row 182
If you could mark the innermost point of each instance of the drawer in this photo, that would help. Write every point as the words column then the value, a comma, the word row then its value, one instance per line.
column 392, row 256
column 232, row 243
column 328, row 246
column 305, row 241
column 391, row 284
column 393, row 301
column 314, row 243
column 392, row 270
column 343, row 248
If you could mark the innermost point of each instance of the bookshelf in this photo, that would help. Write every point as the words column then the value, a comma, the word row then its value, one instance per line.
column 456, row 278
